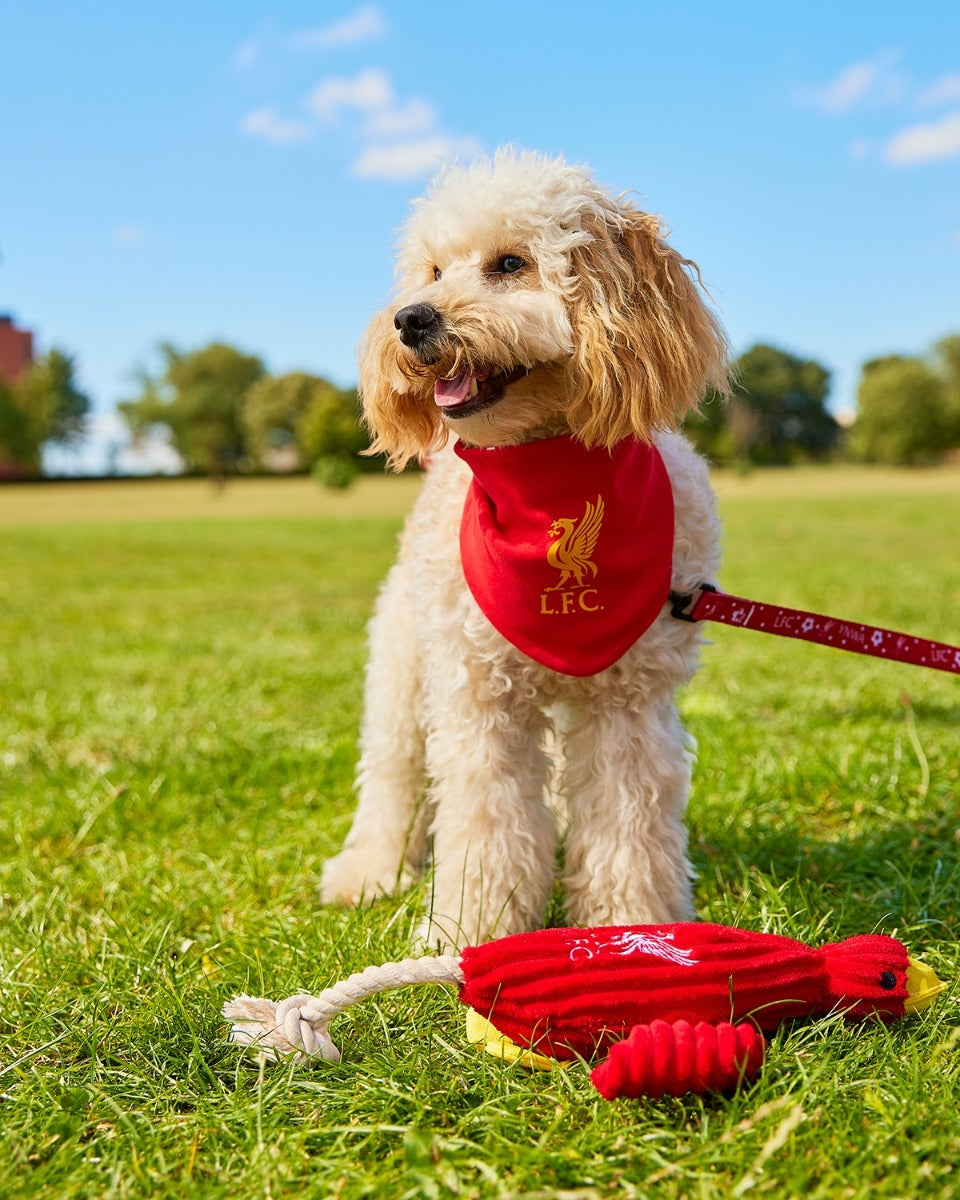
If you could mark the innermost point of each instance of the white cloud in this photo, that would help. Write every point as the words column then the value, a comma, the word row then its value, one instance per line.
column 924, row 143
column 401, row 142
column 266, row 123
column 369, row 91
column 412, row 159
column 399, row 139
column 416, row 116
column 871, row 79
column 364, row 24
column 941, row 91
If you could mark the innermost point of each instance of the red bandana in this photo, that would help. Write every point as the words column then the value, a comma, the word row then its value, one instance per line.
column 568, row 550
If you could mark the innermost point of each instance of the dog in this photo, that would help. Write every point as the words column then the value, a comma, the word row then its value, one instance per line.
column 542, row 330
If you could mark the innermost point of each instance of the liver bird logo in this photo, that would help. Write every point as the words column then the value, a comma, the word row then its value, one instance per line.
column 572, row 552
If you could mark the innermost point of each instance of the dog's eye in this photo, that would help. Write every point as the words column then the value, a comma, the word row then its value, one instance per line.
column 510, row 264
column 437, row 273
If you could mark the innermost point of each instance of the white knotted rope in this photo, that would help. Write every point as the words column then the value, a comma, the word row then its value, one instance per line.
column 298, row 1026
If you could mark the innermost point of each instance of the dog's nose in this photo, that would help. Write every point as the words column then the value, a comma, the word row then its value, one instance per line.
column 418, row 324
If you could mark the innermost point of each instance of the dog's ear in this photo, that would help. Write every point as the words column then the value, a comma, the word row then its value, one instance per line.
column 397, row 408
column 647, row 347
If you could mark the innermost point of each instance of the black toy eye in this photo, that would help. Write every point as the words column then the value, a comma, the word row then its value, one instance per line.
column 888, row 981
column 510, row 264
column 437, row 273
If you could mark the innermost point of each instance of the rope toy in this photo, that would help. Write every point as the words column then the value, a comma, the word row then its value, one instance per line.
column 683, row 1006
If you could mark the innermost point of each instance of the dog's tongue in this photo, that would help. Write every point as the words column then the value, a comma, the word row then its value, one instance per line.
column 447, row 392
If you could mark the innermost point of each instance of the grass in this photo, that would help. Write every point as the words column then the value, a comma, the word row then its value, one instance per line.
column 181, row 677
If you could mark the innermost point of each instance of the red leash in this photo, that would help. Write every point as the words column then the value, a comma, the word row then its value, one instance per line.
column 707, row 604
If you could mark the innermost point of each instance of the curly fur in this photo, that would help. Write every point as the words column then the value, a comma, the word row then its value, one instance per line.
column 610, row 326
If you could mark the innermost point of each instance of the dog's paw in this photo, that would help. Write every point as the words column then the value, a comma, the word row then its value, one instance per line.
column 351, row 879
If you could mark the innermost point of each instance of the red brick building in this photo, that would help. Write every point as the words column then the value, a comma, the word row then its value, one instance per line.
column 16, row 350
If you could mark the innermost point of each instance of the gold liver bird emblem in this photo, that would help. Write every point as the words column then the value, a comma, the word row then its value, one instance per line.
column 572, row 552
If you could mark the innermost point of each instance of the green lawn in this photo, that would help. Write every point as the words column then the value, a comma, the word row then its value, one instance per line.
column 181, row 677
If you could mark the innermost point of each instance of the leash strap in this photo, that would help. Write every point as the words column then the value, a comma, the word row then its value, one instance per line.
column 707, row 604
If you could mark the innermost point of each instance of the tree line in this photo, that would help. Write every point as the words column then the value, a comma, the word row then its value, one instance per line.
column 225, row 414
column 908, row 411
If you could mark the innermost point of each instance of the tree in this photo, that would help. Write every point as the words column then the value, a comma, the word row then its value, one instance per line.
column 43, row 405
column 331, row 428
column 55, row 406
column 271, row 412
column 19, row 453
column 301, row 418
column 901, row 412
column 198, row 396
column 786, row 397
column 777, row 413
column 946, row 354
column 710, row 429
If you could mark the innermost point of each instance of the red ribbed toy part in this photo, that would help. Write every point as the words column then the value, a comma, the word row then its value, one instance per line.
column 569, row 992
column 664, row 1059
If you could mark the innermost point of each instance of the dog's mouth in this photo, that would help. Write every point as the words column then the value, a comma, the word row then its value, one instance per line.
column 472, row 391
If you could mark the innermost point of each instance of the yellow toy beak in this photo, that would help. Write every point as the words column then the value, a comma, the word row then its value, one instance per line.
column 499, row 1045
column 923, row 986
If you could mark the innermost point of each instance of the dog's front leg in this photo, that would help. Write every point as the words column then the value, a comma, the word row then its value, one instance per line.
column 386, row 843
column 627, row 779
column 493, row 835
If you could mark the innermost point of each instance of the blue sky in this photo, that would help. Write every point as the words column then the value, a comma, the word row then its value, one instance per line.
column 237, row 170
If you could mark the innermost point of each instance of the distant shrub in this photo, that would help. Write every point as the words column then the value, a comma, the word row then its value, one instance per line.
column 335, row 471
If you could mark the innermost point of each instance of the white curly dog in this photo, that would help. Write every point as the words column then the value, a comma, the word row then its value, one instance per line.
column 543, row 344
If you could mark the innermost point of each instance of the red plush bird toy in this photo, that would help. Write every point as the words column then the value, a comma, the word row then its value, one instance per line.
column 672, row 991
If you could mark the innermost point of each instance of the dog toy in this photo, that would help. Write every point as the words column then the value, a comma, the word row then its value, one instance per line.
column 554, row 995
